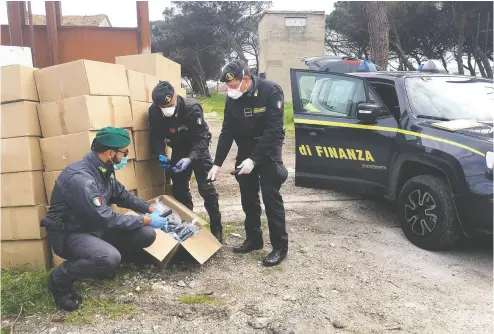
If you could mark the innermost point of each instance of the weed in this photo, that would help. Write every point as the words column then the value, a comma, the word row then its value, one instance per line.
column 259, row 255
column 107, row 308
column 198, row 299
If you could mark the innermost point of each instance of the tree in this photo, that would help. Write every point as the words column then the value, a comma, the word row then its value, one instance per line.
column 378, row 32
column 202, row 35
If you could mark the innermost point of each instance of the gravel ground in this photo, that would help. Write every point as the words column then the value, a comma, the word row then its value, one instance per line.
column 349, row 269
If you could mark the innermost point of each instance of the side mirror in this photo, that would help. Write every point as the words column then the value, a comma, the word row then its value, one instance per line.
column 368, row 112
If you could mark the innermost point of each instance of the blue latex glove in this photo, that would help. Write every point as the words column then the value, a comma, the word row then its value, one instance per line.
column 157, row 221
column 182, row 165
column 164, row 162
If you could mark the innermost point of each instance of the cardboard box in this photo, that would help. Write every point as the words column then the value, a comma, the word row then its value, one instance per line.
column 50, row 178
column 23, row 189
column 59, row 152
column 84, row 113
column 149, row 174
column 141, row 86
column 18, row 84
column 22, row 223
column 143, row 146
column 153, row 64
column 201, row 246
column 81, row 77
column 26, row 254
column 140, row 115
column 127, row 176
column 21, row 154
column 20, row 119
column 150, row 193
column 181, row 91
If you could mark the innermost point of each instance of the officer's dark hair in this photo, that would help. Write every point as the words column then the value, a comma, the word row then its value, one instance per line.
column 97, row 147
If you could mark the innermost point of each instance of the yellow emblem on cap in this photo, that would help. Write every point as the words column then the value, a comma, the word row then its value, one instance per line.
column 229, row 76
column 168, row 99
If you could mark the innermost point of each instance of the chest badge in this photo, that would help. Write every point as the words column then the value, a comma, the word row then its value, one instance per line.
column 97, row 201
column 172, row 130
column 248, row 112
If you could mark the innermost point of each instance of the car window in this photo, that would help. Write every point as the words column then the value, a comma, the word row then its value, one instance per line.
column 330, row 95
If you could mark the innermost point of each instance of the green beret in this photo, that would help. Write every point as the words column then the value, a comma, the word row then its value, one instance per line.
column 113, row 137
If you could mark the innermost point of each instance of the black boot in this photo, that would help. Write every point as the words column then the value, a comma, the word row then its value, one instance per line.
column 65, row 296
column 218, row 234
column 249, row 246
column 275, row 257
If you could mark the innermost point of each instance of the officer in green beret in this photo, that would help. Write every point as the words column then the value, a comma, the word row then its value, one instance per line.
column 82, row 227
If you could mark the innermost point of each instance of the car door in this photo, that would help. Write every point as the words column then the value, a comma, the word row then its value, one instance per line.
column 333, row 148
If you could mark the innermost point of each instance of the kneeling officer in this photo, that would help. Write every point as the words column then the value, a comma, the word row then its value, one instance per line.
column 82, row 227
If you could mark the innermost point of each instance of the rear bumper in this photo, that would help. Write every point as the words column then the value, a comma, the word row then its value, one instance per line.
column 475, row 208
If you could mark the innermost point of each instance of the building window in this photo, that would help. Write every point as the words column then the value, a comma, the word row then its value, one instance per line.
column 295, row 21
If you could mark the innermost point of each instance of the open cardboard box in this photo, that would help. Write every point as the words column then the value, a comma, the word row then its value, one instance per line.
column 200, row 246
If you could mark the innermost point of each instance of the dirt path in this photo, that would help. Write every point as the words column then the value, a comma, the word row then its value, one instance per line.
column 349, row 266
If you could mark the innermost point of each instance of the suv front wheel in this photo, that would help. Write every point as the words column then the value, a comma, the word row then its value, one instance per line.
column 427, row 213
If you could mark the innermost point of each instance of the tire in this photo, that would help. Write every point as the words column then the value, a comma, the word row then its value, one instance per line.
column 427, row 213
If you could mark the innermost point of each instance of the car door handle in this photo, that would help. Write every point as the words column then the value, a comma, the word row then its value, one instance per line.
column 313, row 129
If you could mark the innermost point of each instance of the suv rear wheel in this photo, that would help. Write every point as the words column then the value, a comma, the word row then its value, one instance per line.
column 427, row 213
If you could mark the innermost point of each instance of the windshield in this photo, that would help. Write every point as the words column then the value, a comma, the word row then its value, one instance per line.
column 451, row 98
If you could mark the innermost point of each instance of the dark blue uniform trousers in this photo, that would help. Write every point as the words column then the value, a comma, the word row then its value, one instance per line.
column 90, row 256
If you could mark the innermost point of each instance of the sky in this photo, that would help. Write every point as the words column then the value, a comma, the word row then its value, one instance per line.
column 124, row 14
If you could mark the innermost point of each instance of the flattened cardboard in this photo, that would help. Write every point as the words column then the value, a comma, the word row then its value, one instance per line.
column 81, row 77
column 26, row 254
column 127, row 176
column 84, row 113
column 142, row 145
column 140, row 115
column 18, row 84
column 50, row 178
column 22, row 223
column 21, row 154
column 149, row 174
column 20, row 119
column 59, row 152
column 23, row 189
column 153, row 64
column 201, row 246
column 141, row 86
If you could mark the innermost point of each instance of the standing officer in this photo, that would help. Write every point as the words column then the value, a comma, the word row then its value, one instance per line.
column 254, row 119
column 82, row 227
column 180, row 122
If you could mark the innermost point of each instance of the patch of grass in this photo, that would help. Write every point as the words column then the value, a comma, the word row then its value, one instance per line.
column 107, row 308
column 216, row 103
column 27, row 289
column 146, row 288
column 198, row 299
column 229, row 229
column 204, row 216
column 259, row 255
column 5, row 330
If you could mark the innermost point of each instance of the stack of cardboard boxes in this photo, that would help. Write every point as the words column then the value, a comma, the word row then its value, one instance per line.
column 23, row 196
column 66, row 105
column 78, row 99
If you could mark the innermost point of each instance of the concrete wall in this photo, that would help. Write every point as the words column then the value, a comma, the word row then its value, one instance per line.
column 282, row 47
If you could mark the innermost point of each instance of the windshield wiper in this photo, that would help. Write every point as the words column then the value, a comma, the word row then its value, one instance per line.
column 437, row 118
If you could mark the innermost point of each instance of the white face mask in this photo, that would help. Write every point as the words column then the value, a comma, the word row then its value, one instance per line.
column 168, row 111
column 235, row 93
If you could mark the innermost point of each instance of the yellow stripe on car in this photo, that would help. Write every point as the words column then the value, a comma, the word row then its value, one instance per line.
column 388, row 129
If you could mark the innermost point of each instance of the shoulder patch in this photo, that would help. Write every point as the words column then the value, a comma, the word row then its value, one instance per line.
column 199, row 120
column 279, row 104
column 97, row 201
